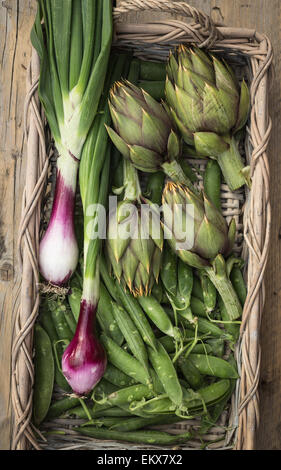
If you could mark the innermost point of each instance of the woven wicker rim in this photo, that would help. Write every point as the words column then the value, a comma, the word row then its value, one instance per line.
column 257, row 212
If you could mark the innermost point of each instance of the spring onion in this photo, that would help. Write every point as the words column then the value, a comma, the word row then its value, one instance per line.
column 73, row 39
column 84, row 360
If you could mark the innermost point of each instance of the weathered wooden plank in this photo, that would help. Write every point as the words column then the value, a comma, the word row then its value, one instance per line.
column 16, row 18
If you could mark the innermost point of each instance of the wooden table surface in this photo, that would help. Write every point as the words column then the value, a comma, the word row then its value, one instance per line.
column 16, row 19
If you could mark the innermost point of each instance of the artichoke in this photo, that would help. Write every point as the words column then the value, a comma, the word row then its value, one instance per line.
column 144, row 132
column 209, row 107
column 200, row 236
column 135, row 239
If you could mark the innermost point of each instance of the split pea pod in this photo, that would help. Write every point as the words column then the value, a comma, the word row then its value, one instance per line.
column 166, row 372
column 125, row 361
column 43, row 374
column 131, row 334
column 141, row 437
column 212, row 365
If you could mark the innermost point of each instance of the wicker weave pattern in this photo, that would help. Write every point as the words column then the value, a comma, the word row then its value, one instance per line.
column 154, row 40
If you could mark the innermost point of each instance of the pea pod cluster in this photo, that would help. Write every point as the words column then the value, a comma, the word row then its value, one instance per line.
column 162, row 316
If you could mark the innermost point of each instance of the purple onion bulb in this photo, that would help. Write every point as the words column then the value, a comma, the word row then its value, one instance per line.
column 58, row 251
column 84, row 360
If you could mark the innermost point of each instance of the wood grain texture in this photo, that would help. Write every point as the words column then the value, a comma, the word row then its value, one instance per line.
column 16, row 18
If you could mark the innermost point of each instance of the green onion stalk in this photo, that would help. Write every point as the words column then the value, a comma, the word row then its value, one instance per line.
column 84, row 360
column 73, row 39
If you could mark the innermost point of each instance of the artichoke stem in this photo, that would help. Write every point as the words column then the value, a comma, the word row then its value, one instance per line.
column 232, row 166
column 131, row 181
column 177, row 175
column 227, row 293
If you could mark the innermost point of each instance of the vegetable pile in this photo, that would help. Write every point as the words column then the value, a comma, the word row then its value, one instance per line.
column 144, row 328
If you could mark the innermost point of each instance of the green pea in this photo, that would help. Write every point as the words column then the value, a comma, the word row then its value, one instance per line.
column 214, row 366
column 43, row 374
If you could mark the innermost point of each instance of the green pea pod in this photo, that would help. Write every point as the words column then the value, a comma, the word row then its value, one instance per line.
column 59, row 407
column 104, row 388
column 185, row 282
column 44, row 370
column 217, row 346
column 117, row 377
column 58, row 308
column 141, row 437
column 213, row 366
column 157, row 291
column 209, row 293
column 233, row 329
column 133, row 424
column 74, row 299
column 197, row 289
column 129, row 394
column 166, row 372
column 106, row 318
column 132, row 306
column 212, row 183
column 194, row 402
column 209, row 328
column 124, row 361
column 169, row 271
column 47, row 322
column 130, row 333
column 70, row 320
column 150, row 70
column 198, row 307
column 188, row 171
column 154, row 88
column 216, row 411
column 157, row 315
column 190, row 373
column 239, row 284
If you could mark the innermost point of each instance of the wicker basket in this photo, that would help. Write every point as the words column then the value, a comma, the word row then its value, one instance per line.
column 249, row 52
